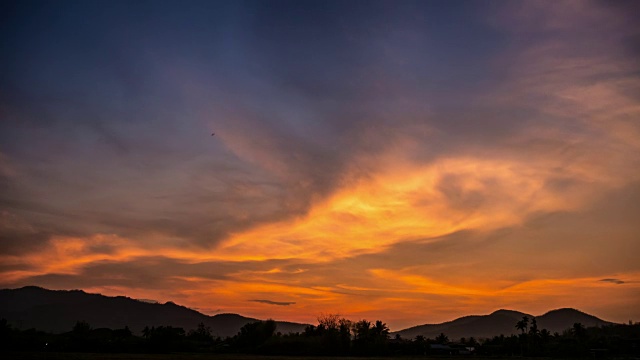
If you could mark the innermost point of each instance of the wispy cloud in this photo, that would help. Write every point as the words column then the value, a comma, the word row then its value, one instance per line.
column 271, row 302
column 613, row 281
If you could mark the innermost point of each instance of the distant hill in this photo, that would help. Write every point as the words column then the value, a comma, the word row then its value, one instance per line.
column 58, row 310
column 501, row 322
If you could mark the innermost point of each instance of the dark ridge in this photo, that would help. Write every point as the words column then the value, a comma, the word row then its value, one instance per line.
column 502, row 322
column 559, row 318
column 512, row 313
column 57, row 311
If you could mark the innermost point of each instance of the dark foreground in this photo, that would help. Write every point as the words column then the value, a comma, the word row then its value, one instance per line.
column 184, row 356
column 334, row 339
column 200, row 356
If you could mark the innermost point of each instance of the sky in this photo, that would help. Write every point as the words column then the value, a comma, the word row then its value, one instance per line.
column 405, row 161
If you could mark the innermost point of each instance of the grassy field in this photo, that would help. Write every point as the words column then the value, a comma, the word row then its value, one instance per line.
column 187, row 356
column 176, row 356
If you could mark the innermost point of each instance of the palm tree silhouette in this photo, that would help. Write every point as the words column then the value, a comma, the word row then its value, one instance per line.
column 522, row 324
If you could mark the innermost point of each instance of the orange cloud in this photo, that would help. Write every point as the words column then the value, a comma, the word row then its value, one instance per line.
column 412, row 201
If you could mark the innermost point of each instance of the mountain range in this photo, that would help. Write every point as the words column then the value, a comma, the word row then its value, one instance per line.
column 502, row 322
column 57, row 311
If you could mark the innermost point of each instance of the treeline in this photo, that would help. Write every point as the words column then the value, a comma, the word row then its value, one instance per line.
column 578, row 341
column 83, row 338
column 332, row 336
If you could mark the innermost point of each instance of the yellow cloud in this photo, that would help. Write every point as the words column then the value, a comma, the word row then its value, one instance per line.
column 406, row 201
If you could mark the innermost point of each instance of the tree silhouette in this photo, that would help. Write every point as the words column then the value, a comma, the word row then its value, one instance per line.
column 361, row 336
column 370, row 338
column 361, row 329
column 333, row 333
column 254, row 334
column 523, row 324
column 578, row 330
column 381, row 330
column 122, row 333
column 344, row 331
column 329, row 321
column 534, row 334
column 420, row 343
column 533, row 330
column 380, row 334
column 80, row 335
column 472, row 342
column 146, row 332
column 545, row 335
column 81, row 328
column 166, row 338
column 202, row 333
column 442, row 339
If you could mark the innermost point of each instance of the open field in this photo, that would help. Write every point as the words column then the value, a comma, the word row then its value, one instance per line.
column 176, row 356
column 172, row 356
column 196, row 356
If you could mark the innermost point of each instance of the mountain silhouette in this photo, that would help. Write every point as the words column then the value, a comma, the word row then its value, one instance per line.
column 58, row 310
column 557, row 320
column 501, row 322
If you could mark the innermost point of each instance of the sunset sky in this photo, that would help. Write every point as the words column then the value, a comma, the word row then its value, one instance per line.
column 405, row 161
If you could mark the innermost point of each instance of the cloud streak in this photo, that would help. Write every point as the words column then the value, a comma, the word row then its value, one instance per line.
column 613, row 281
column 271, row 302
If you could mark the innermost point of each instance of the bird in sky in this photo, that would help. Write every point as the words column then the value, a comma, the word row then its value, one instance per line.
column 213, row 134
